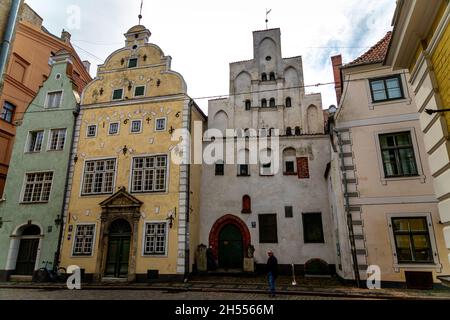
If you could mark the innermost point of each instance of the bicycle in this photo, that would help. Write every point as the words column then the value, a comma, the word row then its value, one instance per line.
column 45, row 274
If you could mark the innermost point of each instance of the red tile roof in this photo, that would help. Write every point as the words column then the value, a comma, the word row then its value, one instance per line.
column 376, row 54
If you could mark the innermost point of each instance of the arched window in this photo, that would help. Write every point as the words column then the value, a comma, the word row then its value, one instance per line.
column 272, row 76
column 288, row 102
column 264, row 77
column 272, row 102
column 246, row 204
column 248, row 104
column 297, row 131
column 7, row 113
column 289, row 161
column 288, row 131
column 264, row 103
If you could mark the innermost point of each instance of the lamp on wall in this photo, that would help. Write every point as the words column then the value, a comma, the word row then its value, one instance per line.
column 431, row 111
column 171, row 216
column 58, row 220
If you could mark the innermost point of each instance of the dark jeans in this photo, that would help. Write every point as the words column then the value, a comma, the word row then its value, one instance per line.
column 271, row 279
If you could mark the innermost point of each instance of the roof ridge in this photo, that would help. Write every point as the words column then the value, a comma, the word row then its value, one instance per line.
column 375, row 54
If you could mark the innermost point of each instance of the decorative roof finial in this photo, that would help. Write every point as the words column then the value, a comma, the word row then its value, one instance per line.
column 140, row 12
column 267, row 19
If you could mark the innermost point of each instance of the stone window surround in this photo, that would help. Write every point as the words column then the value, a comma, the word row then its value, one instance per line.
column 112, row 95
column 80, row 194
column 404, row 86
column 118, row 128
column 421, row 176
column 87, row 131
column 166, row 248
column 137, row 86
column 94, row 237
column 140, row 126
column 396, row 265
column 130, row 180
column 165, row 124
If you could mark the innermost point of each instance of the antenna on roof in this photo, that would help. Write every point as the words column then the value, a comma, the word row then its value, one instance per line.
column 267, row 19
column 140, row 12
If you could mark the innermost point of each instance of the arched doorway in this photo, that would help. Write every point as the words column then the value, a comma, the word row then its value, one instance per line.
column 231, row 251
column 29, row 237
column 229, row 239
column 118, row 249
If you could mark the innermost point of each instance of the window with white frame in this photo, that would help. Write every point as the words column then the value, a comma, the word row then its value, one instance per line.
column 35, row 141
column 139, row 91
column 91, row 131
column 84, row 240
column 149, row 174
column 155, row 238
column 136, row 126
column 57, row 139
column 118, row 94
column 98, row 176
column 113, row 128
column 54, row 99
column 160, row 124
column 397, row 153
column 37, row 187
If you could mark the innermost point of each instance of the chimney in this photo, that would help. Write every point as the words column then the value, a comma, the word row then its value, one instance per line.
column 87, row 65
column 336, row 61
column 65, row 36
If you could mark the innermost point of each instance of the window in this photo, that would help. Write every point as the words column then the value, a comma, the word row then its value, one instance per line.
column 8, row 112
column 155, row 238
column 132, row 63
column 149, row 174
column 57, row 139
column 289, row 131
column 37, row 187
column 220, row 169
column 99, row 176
column 35, row 141
column 113, row 128
column 84, row 240
column 248, row 104
column 397, row 154
column 272, row 132
column 272, row 103
column 289, row 161
column 91, row 131
column 265, row 157
column 288, row 212
column 312, row 228
column 288, row 102
column 246, row 204
column 272, row 76
column 264, row 103
column 384, row 89
column 303, row 168
column 117, row 94
column 290, row 167
column 139, row 91
column 54, row 99
column 264, row 77
column 298, row 131
column 412, row 240
column 136, row 126
column 268, row 228
column 160, row 124
column 243, row 170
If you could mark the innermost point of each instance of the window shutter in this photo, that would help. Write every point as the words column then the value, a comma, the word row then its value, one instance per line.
column 303, row 168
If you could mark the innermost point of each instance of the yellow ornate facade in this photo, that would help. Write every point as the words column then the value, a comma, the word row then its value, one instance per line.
column 132, row 213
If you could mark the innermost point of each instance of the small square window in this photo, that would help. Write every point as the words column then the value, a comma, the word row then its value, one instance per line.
column 288, row 212
column 290, row 167
column 132, row 63
column 91, row 131
column 139, row 91
column 136, row 126
column 220, row 169
column 113, row 128
column 117, row 94
column 161, row 124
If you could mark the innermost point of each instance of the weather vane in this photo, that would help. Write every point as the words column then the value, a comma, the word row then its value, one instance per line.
column 267, row 19
column 140, row 12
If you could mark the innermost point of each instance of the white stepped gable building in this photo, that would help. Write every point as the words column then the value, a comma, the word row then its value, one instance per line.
column 244, row 203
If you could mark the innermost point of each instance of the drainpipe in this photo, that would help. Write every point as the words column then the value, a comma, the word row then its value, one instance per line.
column 76, row 112
column 8, row 37
column 349, row 215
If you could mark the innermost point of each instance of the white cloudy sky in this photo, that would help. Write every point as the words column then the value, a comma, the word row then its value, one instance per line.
column 204, row 36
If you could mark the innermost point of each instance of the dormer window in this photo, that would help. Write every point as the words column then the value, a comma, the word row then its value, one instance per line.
column 132, row 63
column 272, row 103
column 264, row 103
column 272, row 76
column 264, row 77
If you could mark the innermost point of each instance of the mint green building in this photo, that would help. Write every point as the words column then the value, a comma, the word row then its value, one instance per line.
column 34, row 196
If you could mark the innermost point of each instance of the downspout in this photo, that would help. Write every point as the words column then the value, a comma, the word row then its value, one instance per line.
column 8, row 37
column 348, row 213
column 76, row 112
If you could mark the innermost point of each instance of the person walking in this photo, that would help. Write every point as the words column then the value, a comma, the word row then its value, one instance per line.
column 272, row 272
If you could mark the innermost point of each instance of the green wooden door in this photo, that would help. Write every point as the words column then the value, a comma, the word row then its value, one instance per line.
column 26, row 257
column 231, row 253
column 118, row 249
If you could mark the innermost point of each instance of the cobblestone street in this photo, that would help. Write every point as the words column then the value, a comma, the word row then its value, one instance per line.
column 64, row 294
